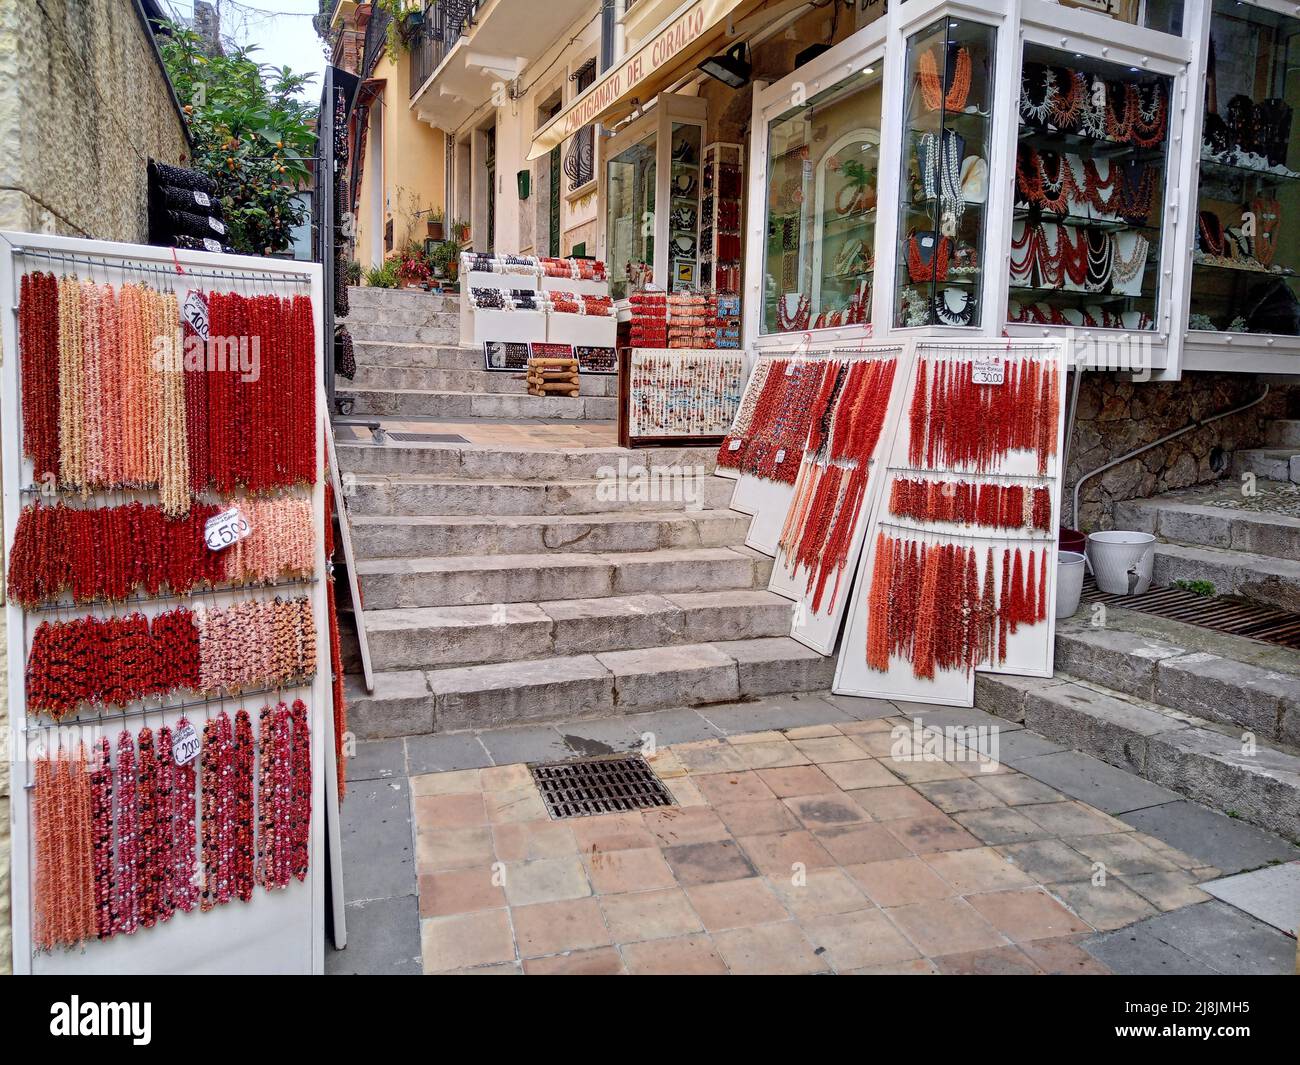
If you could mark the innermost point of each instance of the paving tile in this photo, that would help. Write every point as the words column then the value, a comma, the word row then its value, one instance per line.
column 523, row 841
column 545, row 880
column 756, row 818
column 832, row 810
column 516, row 804
column 860, row 708
column 638, row 869
column 554, row 927
column 675, row 825
column 377, row 760
column 945, row 926
column 454, row 848
column 918, row 770
column 1064, row 956
column 1005, row 825
column 1121, row 853
column 507, row 778
column 857, row 939
column 611, row 832
column 383, row 939
column 602, row 961
column 1048, row 861
column 915, row 967
column 457, row 782
column 1071, row 819
column 824, row 749
column 681, row 956
column 1225, row 940
column 649, row 915
column 1016, row 746
column 1212, row 838
column 820, row 892
column 602, row 736
column 995, row 961
column 1104, row 906
column 953, row 796
column 975, row 870
column 1170, row 890
column 459, row 891
column 708, row 863
column 711, row 757
column 859, row 773
column 796, row 780
column 684, row 792
column 769, row 949
column 1016, row 789
column 894, row 803
column 777, row 854
column 375, row 825
column 1132, row 952
column 812, row 732
column 717, row 788
column 1028, row 913
column 854, row 844
column 900, row 881
column 673, row 726
column 1083, row 777
column 770, row 754
column 1271, row 895
column 766, row 736
column 736, row 903
column 505, row 968
column 466, row 940
column 782, row 712
column 531, row 743
column 936, row 832
column 436, row 812
column 444, row 752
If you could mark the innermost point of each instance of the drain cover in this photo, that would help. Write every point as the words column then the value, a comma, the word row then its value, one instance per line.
column 430, row 438
column 599, row 786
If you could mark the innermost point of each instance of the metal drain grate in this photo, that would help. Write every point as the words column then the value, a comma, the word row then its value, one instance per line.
column 429, row 438
column 1220, row 613
column 599, row 786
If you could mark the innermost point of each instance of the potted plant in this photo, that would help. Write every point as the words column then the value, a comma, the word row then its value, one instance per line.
column 413, row 268
column 437, row 224
column 460, row 231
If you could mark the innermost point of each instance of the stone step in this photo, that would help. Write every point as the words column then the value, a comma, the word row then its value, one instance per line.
column 532, row 534
column 437, row 637
column 416, row 494
column 398, row 457
column 416, row 702
column 449, row 356
column 405, row 313
column 1193, row 518
column 450, row 406
column 411, row 378
column 393, row 298
column 1283, row 432
column 1260, row 578
column 1272, row 464
column 1230, row 680
column 1188, row 755
column 443, row 331
column 474, row 580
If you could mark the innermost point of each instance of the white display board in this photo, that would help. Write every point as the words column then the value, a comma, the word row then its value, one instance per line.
column 280, row 932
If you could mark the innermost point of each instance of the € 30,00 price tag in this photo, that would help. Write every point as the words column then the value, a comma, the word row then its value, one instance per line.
column 988, row 372
column 228, row 527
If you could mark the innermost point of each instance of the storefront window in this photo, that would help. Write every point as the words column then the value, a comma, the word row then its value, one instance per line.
column 630, row 232
column 1247, row 248
column 949, row 85
column 684, row 211
column 1088, row 193
column 823, row 163
column 1163, row 15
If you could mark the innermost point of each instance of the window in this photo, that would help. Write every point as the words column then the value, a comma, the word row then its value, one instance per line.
column 630, row 216
column 1247, row 247
column 823, row 169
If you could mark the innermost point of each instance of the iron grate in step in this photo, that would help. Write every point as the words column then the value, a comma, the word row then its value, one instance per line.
column 1220, row 613
column 429, row 438
column 599, row 786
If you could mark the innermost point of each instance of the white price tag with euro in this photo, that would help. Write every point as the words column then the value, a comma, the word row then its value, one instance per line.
column 734, row 445
column 195, row 311
column 227, row 528
column 988, row 372
column 185, row 744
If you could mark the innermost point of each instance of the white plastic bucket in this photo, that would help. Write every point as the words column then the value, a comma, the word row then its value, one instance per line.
column 1069, row 582
column 1121, row 561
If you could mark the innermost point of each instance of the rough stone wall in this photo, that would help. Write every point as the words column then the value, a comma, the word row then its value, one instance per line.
column 83, row 103
column 1115, row 416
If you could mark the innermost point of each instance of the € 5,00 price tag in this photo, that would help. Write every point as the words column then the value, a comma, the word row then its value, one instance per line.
column 228, row 527
column 988, row 372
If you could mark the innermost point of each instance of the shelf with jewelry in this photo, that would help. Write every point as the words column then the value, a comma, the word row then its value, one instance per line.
column 1087, row 192
column 1244, row 257
column 948, row 91
column 823, row 168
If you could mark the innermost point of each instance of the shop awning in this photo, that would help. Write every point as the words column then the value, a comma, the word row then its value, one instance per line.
column 693, row 35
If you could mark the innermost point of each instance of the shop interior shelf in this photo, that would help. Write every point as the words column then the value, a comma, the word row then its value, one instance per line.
column 1079, row 296
column 1233, row 171
column 1046, row 137
column 1236, row 268
column 1080, row 221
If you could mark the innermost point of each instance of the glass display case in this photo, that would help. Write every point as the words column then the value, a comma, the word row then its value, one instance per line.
column 947, row 107
column 631, row 180
column 823, row 160
column 684, row 190
column 1088, row 193
column 1246, row 249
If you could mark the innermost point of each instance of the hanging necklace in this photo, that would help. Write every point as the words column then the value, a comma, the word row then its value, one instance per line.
column 799, row 320
column 1054, row 193
column 1119, row 122
column 927, row 267
column 1073, row 256
column 1147, row 120
column 1092, row 110
column 932, row 85
column 1049, row 262
column 1094, row 185
column 1065, row 106
column 1137, row 191
column 1101, row 256
column 1125, row 270
column 1211, row 230
column 1035, row 110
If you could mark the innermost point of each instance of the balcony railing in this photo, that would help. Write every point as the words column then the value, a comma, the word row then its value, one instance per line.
column 444, row 24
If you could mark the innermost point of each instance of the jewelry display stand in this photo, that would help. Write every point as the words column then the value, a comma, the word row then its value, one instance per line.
column 678, row 397
column 274, row 932
column 721, row 217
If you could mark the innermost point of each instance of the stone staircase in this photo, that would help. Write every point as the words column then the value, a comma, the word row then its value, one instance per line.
column 506, row 585
column 409, row 365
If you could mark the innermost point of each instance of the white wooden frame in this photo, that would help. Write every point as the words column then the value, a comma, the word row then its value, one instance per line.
column 276, row 932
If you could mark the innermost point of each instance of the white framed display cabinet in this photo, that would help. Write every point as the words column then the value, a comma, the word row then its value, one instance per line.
column 650, row 213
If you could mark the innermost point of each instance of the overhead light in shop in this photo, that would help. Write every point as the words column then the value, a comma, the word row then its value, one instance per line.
column 731, row 68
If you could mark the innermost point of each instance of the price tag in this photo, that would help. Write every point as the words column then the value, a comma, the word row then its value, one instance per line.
column 196, row 313
column 988, row 372
column 202, row 198
column 789, row 368
column 228, row 527
column 734, row 446
column 780, row 456
column 185, row 744
column 217, row 225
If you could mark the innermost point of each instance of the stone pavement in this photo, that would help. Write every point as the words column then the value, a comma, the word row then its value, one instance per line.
column 808, row 838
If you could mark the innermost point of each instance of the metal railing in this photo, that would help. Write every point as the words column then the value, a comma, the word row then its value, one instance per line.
column 444, row 24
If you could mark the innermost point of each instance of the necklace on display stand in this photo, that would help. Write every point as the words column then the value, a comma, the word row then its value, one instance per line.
column 1035, row 110
column 1101, row 258
column 1211, row 233
column 1022, row 271
column 959, row 314
column 932, row 85
column 793, row 323
column 940, row 161
column 1147, row 121
column 1065, row 106
column 1119, row 122
column 1125, row 270
column 927, row 256
column 1092, row 110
